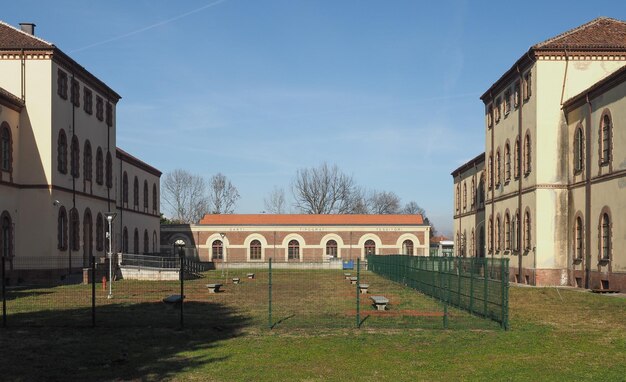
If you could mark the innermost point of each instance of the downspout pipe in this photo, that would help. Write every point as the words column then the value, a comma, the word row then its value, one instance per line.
column 518, row 165
column 588, row 194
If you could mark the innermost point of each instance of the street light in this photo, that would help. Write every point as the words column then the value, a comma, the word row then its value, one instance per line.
column 223, row 235
column 110, row 216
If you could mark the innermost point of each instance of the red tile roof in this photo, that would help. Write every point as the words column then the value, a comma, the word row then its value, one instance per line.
column 12, row 38
column 293, row 219
column 600, row 33
column 438, row 239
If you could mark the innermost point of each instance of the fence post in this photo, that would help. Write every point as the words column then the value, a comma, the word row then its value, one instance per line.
column 358, row 297
column 270, row 295
column 182, row 285
column 93, row 291
column 504, row 266
column 458, row 276
column 4, row 300
column 446, row 298
column 471, row 305
column 486, row 288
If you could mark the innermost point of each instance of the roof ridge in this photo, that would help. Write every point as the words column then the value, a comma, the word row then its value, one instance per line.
column 27, row 34
column 573, row 30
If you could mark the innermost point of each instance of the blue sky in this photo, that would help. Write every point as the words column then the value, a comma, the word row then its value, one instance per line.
column 387, row 90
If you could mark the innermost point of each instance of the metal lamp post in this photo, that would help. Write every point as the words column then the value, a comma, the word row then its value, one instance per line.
column 223, row 235
column 110, row 216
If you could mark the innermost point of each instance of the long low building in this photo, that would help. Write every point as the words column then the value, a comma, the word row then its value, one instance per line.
column 299, row 238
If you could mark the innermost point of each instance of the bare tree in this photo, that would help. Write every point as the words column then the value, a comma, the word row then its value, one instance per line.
column 413, row 208
column 184, row 196
column 323, row 190
column 222, row 195
column 275, row 201
column 384, row 203
column 359, row 202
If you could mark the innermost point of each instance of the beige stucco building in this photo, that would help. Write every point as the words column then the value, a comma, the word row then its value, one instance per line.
column 60, row 168
column 533, row 195
column 299, row 238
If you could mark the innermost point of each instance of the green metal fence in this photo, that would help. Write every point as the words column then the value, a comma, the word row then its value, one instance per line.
column 477, row 285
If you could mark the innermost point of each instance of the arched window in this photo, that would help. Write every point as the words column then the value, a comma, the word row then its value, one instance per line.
column 490, row 172
column 514, row 232
column 87, row 162
column 6, row 148
column 472, row 243
column 507, row 232
column 407, row 247
column 481, row 242
column 6, row 237
column 145, row 195
column 516, row 157
column 464, row 244
column 527, row 155
column 125, row 189
column 125, row 240
column 473, row 198
column 87, row 238
column 217, row 250
column 136, row 241
column 490, row 235
column 481, row 189
column 578, row 238
column 527, row 230
column 498, row 234
column 370, row 247
column 507, row 163
column 331, row 248
column 154, row 242
column 99, row 166
column 605, row 237
column 75, row 157
column 74, row 229
column 458, row 197
column 293, row 250
column 605, row 140
column 255, row 250
column 62, row 229
column 99, row 232
column 62, row 152
column 498, row 167
column 146, row 241
column 154, row 198
column 109, row 170
column 136, row 193
column 578, row 149
column 464, row 195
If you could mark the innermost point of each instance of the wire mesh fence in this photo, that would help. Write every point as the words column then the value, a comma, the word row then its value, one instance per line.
column 265, row 295
column 477, row 285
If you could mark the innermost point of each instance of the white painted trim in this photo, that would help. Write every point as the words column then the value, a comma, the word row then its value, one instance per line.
column 301, row 242
column 225, row 245
column 248, row 240
column 367, row 237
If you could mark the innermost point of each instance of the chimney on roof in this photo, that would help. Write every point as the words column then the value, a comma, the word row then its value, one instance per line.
column 28, row 28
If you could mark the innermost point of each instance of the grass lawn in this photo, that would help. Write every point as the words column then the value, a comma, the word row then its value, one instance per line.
column 555, row 335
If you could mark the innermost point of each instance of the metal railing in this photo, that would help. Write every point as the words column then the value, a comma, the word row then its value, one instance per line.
column 477, row 285
column 150, row 261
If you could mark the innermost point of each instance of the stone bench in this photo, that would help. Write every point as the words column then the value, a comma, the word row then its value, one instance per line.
column 173, row 299
column 363, row 288
column 236, row 280
column 214, row 288
column 250, row 275
column 380, row 302
column 347, row 276
column 353, row 280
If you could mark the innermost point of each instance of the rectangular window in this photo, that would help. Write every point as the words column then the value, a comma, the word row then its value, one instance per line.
column 109, row 114
column 497, row 110
column 527, row 85
column 516, row 95
column 87, row 101
column 99, row 108
column 75, row 93
column 507, row 102
column 62, row 84
column 490, row 115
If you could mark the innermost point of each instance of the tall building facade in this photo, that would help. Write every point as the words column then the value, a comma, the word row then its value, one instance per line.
column 530, row 185
column 60, row 169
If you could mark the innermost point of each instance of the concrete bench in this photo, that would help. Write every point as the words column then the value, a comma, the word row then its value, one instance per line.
column 353, row 280
column 363, row 288
column 347, row 276
column 236, row 280
column 214, row 288
column 250, row 275
column 380, row 302
column 173, row 299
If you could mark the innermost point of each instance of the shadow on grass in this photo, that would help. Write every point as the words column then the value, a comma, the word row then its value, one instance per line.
column 282, row 320
column 139, row 341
